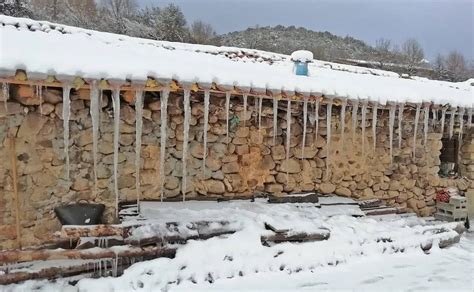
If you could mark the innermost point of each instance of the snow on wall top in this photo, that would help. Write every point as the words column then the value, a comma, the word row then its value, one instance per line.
column 43, row 48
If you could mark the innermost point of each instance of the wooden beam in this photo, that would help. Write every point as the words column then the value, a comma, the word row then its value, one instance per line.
column 20, row 256
column 67, row 271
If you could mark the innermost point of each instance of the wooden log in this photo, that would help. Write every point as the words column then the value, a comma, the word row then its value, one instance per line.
column 310, row 198
column 297, row 237
column 61, row 272
column 19, row 256
column 101, row 230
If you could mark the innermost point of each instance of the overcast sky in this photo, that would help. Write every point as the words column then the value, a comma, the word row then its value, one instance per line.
column 439, row 25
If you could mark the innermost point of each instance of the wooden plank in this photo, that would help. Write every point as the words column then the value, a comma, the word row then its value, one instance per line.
column 20, row 256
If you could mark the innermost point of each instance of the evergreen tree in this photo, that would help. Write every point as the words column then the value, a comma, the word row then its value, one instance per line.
column 171, row 24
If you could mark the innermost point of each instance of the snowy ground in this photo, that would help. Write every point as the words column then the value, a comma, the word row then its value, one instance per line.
column 239, row 262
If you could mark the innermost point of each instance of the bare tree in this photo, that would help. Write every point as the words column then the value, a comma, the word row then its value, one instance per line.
column 116, row 13
column 413, row 51
column 202, row 33
column 383, row 45
column 457, row 66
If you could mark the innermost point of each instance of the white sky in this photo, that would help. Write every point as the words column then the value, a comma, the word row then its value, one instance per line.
column 439, row 25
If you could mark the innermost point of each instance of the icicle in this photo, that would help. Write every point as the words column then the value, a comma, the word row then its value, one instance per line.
column 355, row 107
column 288, row 134
column 138, row 141
column 245, row 109
column 451, row 123
column 163, row 130
column 316, row 120
column 374, row 124
column 426, row 117
column 391, row 125
column 305, row 117
column 415, row 130
column 187, row 117
column 6, row 95
column 443, row 120
column 469, row 117
column 275, row 119
column 260, row 100
column 328, row 126
column 434, row 112
column 462, row 111
column 227, row 106
column 363, row 123
column 343, row 120
column 39, row 94
column 401, row 108
column 207, row 96
column 66, row 114
column 255, row 106
column 94, row 111
column 116, row 106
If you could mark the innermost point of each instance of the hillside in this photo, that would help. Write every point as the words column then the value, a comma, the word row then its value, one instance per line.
column 324, row 45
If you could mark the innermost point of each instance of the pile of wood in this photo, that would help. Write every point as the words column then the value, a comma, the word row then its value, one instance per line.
column 111, row 247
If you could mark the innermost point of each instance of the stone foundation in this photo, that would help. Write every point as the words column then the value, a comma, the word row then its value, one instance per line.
column 239, row 166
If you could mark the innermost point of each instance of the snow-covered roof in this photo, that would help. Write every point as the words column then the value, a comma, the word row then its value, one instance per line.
column 43, row 48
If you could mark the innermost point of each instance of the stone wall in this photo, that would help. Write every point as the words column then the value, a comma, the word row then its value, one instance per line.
column 239, row 166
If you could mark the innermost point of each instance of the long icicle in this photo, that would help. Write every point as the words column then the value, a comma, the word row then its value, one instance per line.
column 316, row 120
column 469, row 117
column 363, row 125
column 207, row 97
column 275, row 119
column 462, row 111
column 401, row 108
column 343, row 121
column 39, row 93
column 426, row 119
column 187, row 117
column 355, row 108
column 451, row 123
column 138, row 141
column 391, row 126
column 443, row 120
column 328, row 131
column 288, row 134
column 66, row 115
column 374, row 124
column 163, row 133
column 245, row 97
column 260, row 100
column 305, row 117
column 227, row 106
column 94, row 111
column 116, row 106
column 6, row 95
column 415, row 130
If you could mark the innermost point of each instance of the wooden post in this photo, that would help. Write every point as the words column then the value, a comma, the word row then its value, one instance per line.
column 15, row 190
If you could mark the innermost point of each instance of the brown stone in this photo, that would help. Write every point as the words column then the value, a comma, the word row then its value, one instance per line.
column 214, row 186
column 327, row 188
column 231, row 167
column 242, row 132
column 341, row 191
column 273, row 188
column 278, row 152
column 290, row 166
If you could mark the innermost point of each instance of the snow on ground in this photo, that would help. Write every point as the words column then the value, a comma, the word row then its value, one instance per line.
column 368, row 252
column 96, row 55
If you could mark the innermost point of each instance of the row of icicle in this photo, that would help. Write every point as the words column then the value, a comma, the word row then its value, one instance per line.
column 96, row 97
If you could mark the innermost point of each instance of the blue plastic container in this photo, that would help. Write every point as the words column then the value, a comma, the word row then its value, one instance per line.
column 301, row 68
